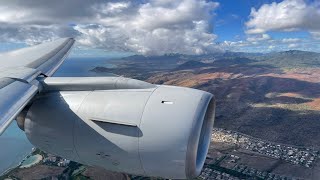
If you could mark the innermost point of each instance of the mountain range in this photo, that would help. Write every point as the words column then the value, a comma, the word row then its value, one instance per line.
column 273, row 96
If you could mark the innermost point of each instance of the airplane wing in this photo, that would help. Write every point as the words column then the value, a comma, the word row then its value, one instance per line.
column 19, row 69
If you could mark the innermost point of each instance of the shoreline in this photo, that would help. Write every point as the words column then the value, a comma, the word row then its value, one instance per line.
column 10, row 169
column 37, row 160
column 15, row 166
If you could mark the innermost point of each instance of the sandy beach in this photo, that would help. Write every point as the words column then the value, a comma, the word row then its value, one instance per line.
column 30, row 161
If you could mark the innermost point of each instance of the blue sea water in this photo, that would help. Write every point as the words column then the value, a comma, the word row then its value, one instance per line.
column 79, row 67
column 14, row 145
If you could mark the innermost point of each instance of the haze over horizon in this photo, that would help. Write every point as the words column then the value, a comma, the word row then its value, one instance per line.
column 157, row 27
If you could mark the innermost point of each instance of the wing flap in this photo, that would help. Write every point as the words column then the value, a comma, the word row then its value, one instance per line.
column 14, row 97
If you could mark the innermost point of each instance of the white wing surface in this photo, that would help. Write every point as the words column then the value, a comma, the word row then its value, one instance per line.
column 18, row 71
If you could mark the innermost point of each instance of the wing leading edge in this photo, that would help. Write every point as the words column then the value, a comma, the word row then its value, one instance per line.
column 19, row 70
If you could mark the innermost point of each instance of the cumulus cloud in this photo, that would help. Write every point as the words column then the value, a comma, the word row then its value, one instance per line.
column 288, row 15
column 147, row 27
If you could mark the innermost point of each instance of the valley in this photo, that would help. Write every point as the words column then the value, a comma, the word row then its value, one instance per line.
column 275, row 100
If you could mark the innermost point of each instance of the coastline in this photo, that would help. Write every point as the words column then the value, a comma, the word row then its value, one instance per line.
column 38, row 159
column 16, row 140
column 13, row 166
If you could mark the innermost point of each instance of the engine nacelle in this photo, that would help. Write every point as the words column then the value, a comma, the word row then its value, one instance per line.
column 161, row 131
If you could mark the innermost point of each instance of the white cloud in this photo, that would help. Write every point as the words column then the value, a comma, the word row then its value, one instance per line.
column 290, row 40
column 259, row 37
column 112, row 8
column 316, row 35
column 271, row 47
column 288, row 15
column 293, row 45
column 151, row 27
column 234, row 45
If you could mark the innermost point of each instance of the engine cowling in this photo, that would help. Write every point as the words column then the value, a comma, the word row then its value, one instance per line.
column 161, row 131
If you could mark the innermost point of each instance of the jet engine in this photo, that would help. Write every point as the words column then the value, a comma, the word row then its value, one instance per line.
column 122, row 125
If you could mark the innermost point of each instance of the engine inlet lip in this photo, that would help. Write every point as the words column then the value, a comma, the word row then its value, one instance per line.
column 199, row 139
column 20, row 119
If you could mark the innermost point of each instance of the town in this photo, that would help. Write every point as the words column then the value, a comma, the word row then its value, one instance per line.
column 296, row 155
column 227, row 166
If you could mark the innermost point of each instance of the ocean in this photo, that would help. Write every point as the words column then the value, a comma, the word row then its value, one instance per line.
column 79, row 67
column 14, row 145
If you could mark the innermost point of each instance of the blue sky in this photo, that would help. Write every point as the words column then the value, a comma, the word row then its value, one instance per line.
column 156, row 27
column 231, row 17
